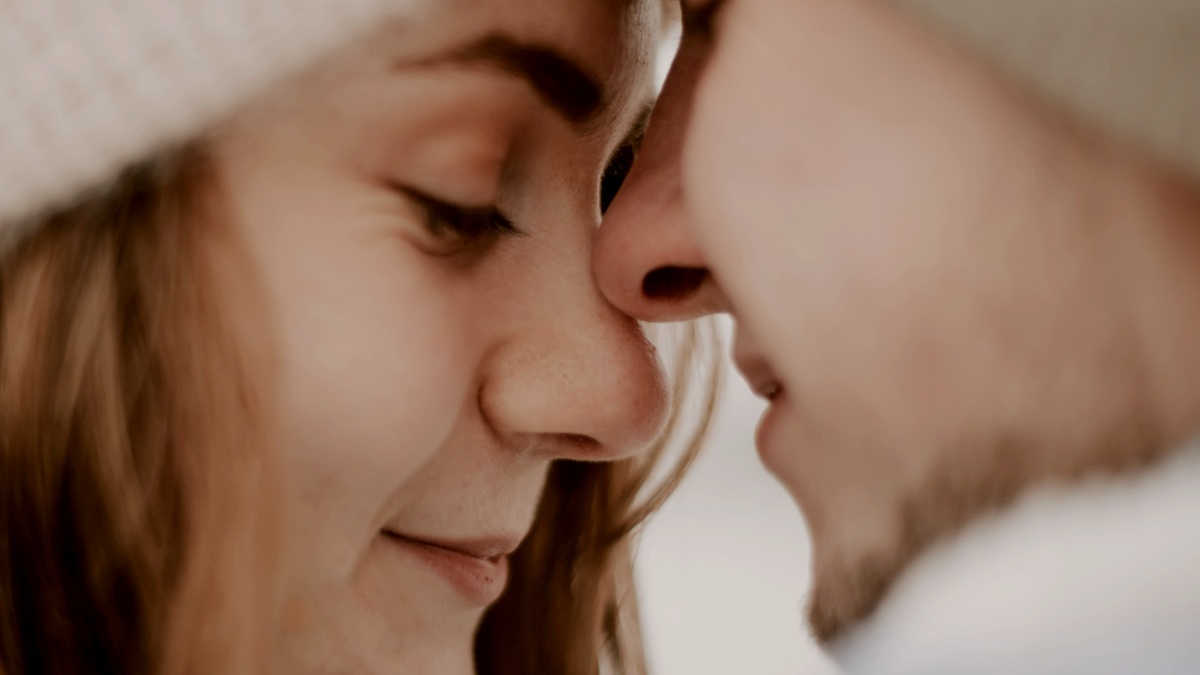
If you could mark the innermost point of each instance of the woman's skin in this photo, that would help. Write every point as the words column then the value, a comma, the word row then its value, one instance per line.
column 433, row 364
column 947, row 290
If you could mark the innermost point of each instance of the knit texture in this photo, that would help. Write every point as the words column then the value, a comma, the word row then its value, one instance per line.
column 1131, row 67
column 88, row 87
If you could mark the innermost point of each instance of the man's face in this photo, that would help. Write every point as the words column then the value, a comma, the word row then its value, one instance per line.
column 907, row 249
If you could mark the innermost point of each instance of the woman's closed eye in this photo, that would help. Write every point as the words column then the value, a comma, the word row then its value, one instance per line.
column 457, row 228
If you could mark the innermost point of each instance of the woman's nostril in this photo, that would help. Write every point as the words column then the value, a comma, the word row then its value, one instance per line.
column 673, row 283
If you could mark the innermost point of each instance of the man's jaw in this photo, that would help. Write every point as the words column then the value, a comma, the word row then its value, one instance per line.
column 846, row 591
column 853, row 572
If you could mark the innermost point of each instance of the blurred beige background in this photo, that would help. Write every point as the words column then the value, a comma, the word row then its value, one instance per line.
column 723, row 568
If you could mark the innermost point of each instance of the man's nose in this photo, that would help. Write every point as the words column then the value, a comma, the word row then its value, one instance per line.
column 647, row 260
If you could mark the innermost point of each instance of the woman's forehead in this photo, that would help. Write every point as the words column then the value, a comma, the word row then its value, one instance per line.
column 600, row 34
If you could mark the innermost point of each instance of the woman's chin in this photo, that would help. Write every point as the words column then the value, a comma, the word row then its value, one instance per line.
column 392, row 617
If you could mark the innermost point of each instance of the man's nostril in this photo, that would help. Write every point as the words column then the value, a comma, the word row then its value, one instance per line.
column 673, row 283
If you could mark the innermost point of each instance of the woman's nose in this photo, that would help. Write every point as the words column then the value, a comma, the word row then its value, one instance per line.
column 647, row 261
column 579, row 380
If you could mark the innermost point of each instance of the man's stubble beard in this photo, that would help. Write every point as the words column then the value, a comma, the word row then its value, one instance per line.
column 972, row 481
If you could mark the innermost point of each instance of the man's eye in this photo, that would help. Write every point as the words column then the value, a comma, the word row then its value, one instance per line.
column 622, row 160
column 615, row 173
column 459, row 228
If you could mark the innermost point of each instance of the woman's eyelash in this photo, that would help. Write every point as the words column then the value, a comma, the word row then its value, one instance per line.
column 461, row 226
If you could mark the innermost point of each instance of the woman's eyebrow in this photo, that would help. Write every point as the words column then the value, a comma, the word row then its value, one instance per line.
column 560, row 82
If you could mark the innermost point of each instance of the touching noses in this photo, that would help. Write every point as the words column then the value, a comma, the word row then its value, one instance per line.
column 646, row 260
column 576, row 379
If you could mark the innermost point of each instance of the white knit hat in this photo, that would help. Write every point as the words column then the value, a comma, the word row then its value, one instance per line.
column 88, row 87
column 1131, row 67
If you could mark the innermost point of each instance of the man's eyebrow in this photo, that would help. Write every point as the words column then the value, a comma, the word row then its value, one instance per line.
column 558, row 81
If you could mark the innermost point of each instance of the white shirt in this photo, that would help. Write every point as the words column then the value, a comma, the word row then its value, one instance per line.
column 1098, row 578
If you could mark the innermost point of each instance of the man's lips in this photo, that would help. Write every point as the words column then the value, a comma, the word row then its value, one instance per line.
column 750, row 362
column 760, row 377
column 763, row 382
column 476, row 568
column 770, row 390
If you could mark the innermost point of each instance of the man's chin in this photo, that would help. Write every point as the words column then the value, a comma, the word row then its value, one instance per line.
column 852, row 576
column 847, row 589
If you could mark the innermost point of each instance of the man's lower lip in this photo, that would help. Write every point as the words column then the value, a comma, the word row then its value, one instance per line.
column 478, row 581
column 767, row 425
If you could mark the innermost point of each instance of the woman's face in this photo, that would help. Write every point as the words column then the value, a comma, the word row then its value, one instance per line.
column 421, row 210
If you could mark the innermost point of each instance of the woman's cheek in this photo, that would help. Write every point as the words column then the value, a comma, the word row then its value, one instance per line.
column 377, row 370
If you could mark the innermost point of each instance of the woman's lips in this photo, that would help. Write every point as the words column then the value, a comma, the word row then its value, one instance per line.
column 477, row 569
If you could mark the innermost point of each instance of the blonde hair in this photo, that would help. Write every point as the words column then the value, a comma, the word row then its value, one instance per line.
column 137, row 478
column 132, row 449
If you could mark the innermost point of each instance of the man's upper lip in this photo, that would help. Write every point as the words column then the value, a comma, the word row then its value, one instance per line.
column 748, row 357
column 759, row 376
column 484, row 548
